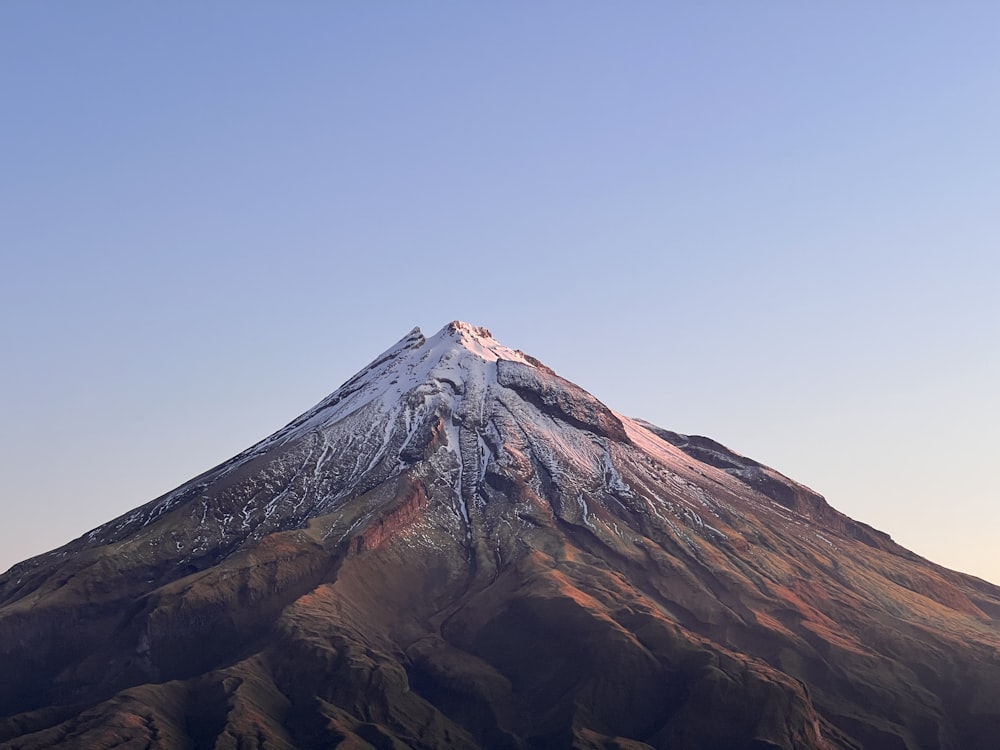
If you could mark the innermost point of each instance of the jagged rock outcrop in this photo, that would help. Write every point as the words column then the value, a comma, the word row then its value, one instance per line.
column 458, row 548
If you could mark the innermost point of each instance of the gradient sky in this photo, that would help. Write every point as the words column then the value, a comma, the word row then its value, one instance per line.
column 773, row 223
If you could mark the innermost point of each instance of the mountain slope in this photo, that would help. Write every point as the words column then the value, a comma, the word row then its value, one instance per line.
column 459, row 548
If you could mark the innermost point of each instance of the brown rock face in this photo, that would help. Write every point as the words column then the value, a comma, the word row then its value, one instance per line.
column 459, row 549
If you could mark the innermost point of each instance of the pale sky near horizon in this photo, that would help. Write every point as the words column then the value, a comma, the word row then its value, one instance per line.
column 771, row 223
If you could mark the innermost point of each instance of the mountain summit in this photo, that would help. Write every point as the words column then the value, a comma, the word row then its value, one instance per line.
column 459, row 549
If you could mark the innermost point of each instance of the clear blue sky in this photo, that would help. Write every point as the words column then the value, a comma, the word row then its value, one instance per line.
column 773, row 223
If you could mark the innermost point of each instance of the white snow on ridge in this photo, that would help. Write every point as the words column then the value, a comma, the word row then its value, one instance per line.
column 440, row 369
column 457, row 355
column 357, row 437
column 480, row 341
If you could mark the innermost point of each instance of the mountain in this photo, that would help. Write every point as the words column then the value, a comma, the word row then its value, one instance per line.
column 460, row 549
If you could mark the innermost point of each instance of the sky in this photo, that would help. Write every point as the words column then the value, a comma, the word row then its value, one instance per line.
column 772, row 223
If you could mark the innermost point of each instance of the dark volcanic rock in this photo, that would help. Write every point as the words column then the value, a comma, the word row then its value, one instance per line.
column 460, row 549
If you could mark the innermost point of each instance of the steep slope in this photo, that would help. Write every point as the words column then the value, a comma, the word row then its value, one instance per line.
column 459, row 548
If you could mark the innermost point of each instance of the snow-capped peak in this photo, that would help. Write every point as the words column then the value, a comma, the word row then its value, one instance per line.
column 459, row 359
column 456, row 408
column 479, row 341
